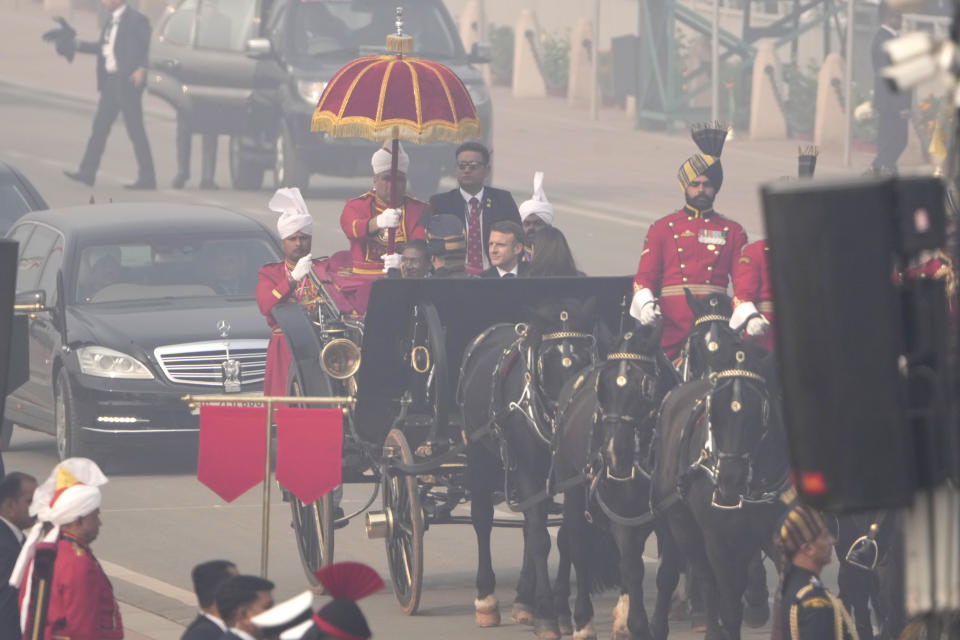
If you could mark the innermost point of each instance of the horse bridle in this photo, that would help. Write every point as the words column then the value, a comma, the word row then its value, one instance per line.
column 709, row 459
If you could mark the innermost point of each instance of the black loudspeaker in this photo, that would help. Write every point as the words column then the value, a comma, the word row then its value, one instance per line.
column 839, row 330
column 8, row 283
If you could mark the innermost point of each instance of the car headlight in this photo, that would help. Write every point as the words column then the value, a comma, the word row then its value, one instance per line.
column 310, row 90
column 478, row 93
column 107, row 363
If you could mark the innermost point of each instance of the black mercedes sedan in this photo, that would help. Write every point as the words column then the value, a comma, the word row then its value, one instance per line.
column 17, row 196
column 138, row 304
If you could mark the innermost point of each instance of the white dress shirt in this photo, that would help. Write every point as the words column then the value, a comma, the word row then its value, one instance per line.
column 515, row 271
column 109, row 59
column 13, row 527
column 215, row 620
column 466, row 222
column 240, row 633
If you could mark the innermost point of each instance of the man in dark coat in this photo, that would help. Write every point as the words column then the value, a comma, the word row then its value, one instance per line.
column 477, row 206
column 241, row 598
column 121, row 77
column 892, row 107
column 16, row 494
column 207, row 578
column 505, row 249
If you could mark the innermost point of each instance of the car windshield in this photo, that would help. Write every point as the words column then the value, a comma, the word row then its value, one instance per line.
column 331, row 27
column 171, row 267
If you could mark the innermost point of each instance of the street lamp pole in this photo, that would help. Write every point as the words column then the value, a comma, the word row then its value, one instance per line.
column 715, row 64
column 848, row 91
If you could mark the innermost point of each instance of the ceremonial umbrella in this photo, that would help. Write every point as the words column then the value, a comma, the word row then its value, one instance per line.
column 394, row 97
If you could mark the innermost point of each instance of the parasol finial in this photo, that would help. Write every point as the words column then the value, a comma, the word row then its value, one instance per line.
column 399, row 41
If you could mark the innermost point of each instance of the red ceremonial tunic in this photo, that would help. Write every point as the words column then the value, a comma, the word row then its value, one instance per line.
column 751, row 283
column 273, row 288
column 368, row 250
column 938, row 267
column 691, row 249
column 82, row 606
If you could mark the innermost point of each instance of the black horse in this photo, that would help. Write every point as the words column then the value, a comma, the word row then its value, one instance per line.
column 510, row 382
column 721, row 470
column 873, row 579
column 604, row 439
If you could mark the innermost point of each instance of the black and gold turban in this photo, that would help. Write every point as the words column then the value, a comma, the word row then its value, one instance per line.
column 709, row 138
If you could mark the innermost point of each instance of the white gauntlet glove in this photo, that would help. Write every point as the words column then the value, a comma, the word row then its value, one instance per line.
column 757, row 326
column 303, row 267
column 389, row 219
column 644, row 307
column 391, row 261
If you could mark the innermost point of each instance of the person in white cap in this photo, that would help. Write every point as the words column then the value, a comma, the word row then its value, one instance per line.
column 367, row 219
column 279, row 282
column 536, row 213
column 59, row 574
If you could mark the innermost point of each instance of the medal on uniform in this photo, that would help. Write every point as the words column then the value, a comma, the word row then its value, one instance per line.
column 712, row 238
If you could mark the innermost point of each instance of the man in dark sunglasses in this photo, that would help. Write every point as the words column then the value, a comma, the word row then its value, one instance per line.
column 476, row 204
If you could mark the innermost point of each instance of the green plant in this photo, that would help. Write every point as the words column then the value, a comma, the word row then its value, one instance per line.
column 501, row 58
column 800, row 102
column 555, row 61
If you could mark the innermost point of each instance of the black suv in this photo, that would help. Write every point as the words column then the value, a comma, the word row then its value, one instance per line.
column 255, row 69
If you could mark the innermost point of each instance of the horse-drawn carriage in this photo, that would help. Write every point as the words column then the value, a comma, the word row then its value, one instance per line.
column 402, row 364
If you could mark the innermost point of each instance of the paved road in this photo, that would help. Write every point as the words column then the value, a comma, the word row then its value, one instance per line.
column 607, row 182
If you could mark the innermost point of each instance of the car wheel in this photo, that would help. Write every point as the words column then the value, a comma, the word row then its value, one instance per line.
column 6, row 432
column 288, row 167
column 70, row 441
column 244, row 174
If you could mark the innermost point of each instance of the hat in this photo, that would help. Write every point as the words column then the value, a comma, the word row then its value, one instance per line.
column 294, row 215
column 381, row 160
column 807, row 160
column 538, row 204
column 800, row 526
column 295, row 612
column 341, row 618
column 709, row 138
column 445, row 235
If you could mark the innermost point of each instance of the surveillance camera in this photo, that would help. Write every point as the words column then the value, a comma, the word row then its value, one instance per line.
column 909, row 74
column 909, row 46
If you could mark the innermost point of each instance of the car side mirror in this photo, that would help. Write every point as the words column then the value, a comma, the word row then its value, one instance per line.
column 258, row 47
column 480, row 53
column 30, row 302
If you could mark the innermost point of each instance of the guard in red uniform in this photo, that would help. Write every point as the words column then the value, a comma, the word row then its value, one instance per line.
column 280, row 282
column 366, row 220
column 752, row 293
column 63, row 578
column 694, row 248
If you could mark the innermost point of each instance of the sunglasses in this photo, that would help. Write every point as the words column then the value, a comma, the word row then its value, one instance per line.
column 464, row 166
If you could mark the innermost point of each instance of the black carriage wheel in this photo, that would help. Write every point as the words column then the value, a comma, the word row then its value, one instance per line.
column 312, row 523
column 401, row 498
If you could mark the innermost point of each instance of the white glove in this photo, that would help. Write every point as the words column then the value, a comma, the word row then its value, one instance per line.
column 391, row 261
column 757, row 326
column 304, row 265
column 644, row 307
column 389, row 219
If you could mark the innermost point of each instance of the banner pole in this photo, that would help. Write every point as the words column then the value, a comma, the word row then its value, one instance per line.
column 265, row 525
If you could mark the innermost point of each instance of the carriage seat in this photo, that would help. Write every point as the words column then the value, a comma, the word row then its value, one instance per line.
column 348, row 291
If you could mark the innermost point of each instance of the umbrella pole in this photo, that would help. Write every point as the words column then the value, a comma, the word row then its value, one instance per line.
column 392, row 233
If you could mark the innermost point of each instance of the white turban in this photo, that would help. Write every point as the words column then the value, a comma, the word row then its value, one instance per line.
column 70, row 492
column 538, row 204
column 382, row 158
column 294, row 215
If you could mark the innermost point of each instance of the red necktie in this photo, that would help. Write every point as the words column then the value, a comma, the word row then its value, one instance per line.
column 474, row 245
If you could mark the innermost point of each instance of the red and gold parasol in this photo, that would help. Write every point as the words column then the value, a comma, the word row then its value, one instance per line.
column 394, row 97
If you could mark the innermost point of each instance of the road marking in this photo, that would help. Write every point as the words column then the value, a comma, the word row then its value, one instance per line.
column 152, row 584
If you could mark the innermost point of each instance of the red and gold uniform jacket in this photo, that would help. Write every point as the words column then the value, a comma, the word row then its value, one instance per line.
column 82, row 606
column 751, row 283
column 273, row 288
column 368, row 249
column 692, row 249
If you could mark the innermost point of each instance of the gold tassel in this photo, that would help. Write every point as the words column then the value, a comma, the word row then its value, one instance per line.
column 400, row 44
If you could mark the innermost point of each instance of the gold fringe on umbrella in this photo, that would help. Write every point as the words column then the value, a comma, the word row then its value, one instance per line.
column 362, row 127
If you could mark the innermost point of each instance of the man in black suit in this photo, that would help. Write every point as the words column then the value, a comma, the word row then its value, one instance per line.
column 505, row 249
column 16, row 494
column 892, row 107
column 478, row 206
column 207, row 578
column 239, row 599
column 121, row 77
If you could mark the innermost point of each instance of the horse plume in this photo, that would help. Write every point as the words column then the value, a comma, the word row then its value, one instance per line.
column 710, row 136
column 349, row 580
